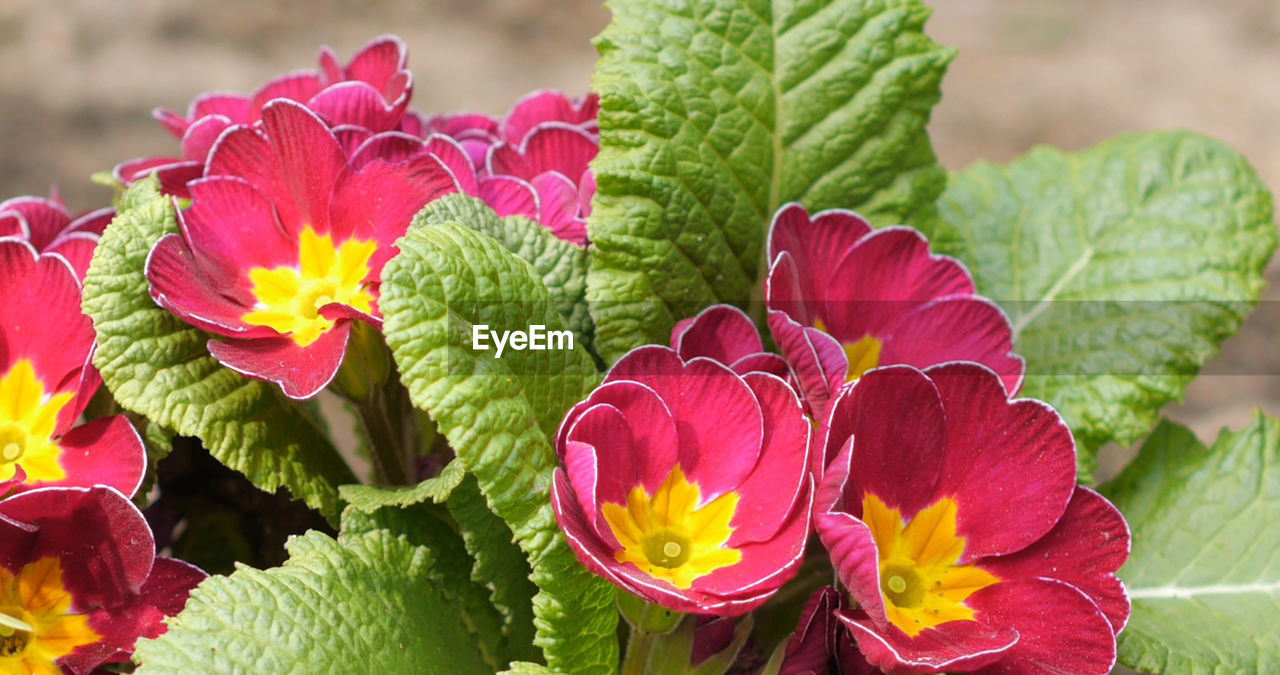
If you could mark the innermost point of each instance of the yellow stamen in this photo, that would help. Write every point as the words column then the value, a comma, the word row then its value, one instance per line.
column 289, row 299
column 42, row 629
column 668, row 536
column 920, row 582
column 28, row 418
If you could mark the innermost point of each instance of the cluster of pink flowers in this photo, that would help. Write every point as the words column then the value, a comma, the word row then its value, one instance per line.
column 299, row 191
column 887, row 425
column 79, row 578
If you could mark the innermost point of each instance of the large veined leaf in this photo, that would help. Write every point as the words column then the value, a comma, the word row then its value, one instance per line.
column 498, row 412
column 373, row 603
column 1204, row 574
column 429, row 526
column 713, row 114
column 158, row 366
column 1122, row 268
column 499, row 566
column 562, row 264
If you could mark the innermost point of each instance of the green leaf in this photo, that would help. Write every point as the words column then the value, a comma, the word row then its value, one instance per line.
column 499, row 566
column 561, row 264
column 429, row 526
column 1204, row 574
column 713, row 114
column 370, row 498
column 498, row 413
column 158, row 366
column 1122, row 268
column 372, row 603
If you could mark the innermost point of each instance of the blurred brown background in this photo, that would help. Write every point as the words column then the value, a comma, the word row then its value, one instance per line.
column 79, row 78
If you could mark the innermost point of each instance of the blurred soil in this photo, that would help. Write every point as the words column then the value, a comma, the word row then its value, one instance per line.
column 81, row 76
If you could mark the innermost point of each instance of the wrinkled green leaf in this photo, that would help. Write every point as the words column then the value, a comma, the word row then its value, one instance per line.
column 373, row 603
column 499, row 565
column 714, row 114
column 1204, row 574
column 561, row 264
column 158, row 366
column 498, row 413
column 370, row 498
column 1122, row 268
column 429, row 526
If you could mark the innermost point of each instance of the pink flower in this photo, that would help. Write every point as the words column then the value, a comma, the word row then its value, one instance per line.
column 46, row 225
column 46, row 380
column 80, row 581
column 844, row 299
column 284, row 244
column 685, row 483
column 726, row 334
column 953, row 519
column 368, row 95
column 533, row 161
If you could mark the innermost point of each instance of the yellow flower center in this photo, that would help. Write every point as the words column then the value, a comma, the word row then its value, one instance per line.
column 920, row 582
column 28, row 417
column 36, row 626
column 862, row 355
column 668, row 535
column 289, row 298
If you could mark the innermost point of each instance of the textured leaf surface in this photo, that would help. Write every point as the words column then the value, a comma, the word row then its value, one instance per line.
column 429, row 526
column 499, row 566
column 370, row 604
column 158, row 366
column 713, row 114
column 1122, row 268
column 370, row 498
column 498, row 413
column 1204, row 575
column 561, row 264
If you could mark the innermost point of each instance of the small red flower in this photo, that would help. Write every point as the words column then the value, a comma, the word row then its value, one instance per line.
column 46, row 225
column 284, row 245
column 953, row 519
column 46, row 380
column 844, row 299
column 80, row 582
column 685, row 483
column 368, row 95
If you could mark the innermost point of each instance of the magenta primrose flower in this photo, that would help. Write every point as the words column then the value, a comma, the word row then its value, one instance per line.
column 726, row 334
column 953, row 520
column 685, row 483
column 80, row 582
column 844, row 299
column 370, row 94
column 46, row 225
column 284, row 244
column 46, row 380
column 532, row 162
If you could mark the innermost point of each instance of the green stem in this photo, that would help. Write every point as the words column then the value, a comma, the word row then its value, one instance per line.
column 390, row 458
column 639, row 649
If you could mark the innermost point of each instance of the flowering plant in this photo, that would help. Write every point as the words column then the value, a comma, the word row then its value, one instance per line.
column 717, row 353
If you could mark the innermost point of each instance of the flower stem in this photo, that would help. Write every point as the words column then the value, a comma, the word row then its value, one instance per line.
column 386, row 436
column 639, row 649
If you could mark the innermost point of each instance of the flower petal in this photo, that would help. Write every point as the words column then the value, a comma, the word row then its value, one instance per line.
column 721, row 332
column 309, row 157
column 815, row 245
column 776, row 482
column 955, row 328
column 953, row 646
column 301, row 372
column 106, row 451
column 1059, row 628
column 1000, row 452
column 180, row 285
column 1085, row 548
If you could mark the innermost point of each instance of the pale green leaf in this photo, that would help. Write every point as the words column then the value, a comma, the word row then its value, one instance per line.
column 561, row 264
column 158, row 366
column 1204, row 573
column 370, row 604
column 498, row 412
column 370, row 498
column 1122, row 268
column 714, row 114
